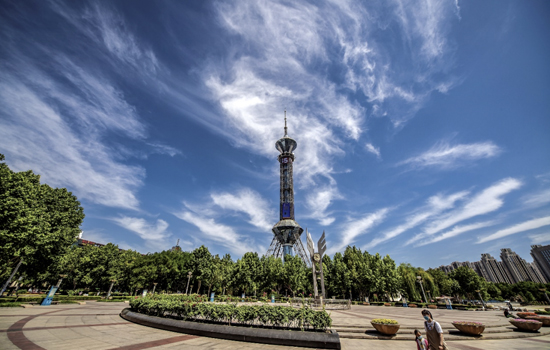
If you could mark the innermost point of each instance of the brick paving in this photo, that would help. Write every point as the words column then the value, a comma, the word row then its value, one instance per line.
column 98, row 326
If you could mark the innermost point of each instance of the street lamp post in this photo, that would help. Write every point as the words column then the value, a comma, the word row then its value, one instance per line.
column 61, row 277
column 479, row 293
column 419, row 280
column 110, row 288
column 543, row 290
column 189, row 274
column 154, row 287
column 429, row 295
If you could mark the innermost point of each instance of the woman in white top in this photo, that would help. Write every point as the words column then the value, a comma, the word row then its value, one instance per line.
column 434, row 333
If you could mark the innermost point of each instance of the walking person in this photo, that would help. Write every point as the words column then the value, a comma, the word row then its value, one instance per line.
column 434, row 333
column 421, row 342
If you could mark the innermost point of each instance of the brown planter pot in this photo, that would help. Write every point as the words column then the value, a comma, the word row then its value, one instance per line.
column 412, row 305
column 366, row 303
column 469, row 329
column 525, row 314
column 527, row 326
column 432, row 306
column 544, row 319
column 387, row 304
column 386, row 329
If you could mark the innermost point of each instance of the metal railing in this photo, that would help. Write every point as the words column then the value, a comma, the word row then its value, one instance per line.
column 328, row 304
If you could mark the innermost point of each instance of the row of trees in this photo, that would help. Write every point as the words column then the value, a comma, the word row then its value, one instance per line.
column 39, row 224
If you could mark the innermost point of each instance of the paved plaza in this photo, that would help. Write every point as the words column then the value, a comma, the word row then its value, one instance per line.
column 98, row 326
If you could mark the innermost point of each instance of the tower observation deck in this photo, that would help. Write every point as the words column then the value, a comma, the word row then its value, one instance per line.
column 287, row 232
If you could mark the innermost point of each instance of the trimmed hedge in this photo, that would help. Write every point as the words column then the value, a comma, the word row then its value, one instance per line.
column 194, row 308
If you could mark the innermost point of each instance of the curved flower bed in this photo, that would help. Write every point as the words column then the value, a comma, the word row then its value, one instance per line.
column 385, row 326
column 544, row 319
column 525, row 314
column 469, row 327
column 526, row 325
column 192, row 308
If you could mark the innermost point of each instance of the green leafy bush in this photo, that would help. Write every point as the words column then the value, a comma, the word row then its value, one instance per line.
column 10, row 304
column 194, row 308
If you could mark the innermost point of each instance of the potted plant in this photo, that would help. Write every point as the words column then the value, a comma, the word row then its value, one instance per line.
column 385, row 326
column 432, row 306
column 525, row 314
column 469, row 327
column 387, row 304
column 526, row 325
column 544, row 319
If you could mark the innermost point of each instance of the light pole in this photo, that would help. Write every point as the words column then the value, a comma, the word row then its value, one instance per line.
column 429, row 296
column 110, row 288
column 189, row 274
column 61, row 277
column 479, row 293
column 543, row 290
column 419, row 280
column 154, row 287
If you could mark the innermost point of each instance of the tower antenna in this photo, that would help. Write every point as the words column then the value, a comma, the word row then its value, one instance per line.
column 286, row 134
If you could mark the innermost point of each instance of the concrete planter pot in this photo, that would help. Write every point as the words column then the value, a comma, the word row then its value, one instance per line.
column 386, row 329
column 527, row 326
column 432, row 306
column 412, row 305
column 469, row 329
column 544, row 319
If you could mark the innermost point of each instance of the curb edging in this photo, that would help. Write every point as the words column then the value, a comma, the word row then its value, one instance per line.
column 255, row 335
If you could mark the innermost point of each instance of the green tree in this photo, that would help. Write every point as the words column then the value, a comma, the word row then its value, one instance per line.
column 37, row 222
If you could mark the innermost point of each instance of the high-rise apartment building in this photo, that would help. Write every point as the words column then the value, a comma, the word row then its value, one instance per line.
column 518, row 269
column 541, row 258
column 494, row 270
column 512, row 268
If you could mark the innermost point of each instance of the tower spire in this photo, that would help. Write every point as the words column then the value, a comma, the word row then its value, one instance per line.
column 286, row 133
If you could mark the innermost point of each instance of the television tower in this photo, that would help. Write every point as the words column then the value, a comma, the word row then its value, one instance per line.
column 287, row 232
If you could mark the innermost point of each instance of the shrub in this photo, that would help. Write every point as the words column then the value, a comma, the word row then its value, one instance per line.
column 384, row 321
column 10, row 304
column 195, row 308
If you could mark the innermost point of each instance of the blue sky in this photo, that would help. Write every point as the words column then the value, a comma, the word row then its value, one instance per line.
column 422, row 126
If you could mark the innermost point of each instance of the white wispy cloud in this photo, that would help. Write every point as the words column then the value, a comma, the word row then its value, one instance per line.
column 218, row 233
column 435, row 205
column 522, row 227
column 145, row 230
column 318, row 201
column 249, row 202
column 374, row 150
column 446, row 156
column 354, row 228
column 487, row 201
column 46, row 141
column 455, row 231
column 540, row 238
column 537, row 199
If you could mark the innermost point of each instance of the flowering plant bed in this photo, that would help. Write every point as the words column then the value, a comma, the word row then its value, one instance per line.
column 469, row 327
column 195, row 308
column 544, row 319
column 385, row 326
column 525, row 314
column 526, row 325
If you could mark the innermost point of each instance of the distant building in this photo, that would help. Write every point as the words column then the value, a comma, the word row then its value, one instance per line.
column 495, row 271
column 541, row 258
column 82, row 242
column 512, row 268
column 518, row 269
